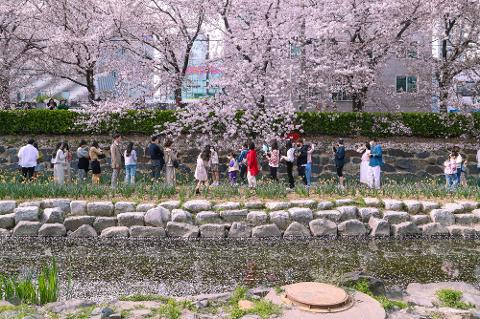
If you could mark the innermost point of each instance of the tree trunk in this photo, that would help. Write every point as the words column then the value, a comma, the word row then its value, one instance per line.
column 178, row 96
column 358, row 99
column 4, row 92
column 90, row 77
column 443, row 88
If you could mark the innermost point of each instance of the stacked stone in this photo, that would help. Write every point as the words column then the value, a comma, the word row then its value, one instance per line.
column 370, row 217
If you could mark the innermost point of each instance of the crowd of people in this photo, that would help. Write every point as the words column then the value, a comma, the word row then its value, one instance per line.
column 242, row 168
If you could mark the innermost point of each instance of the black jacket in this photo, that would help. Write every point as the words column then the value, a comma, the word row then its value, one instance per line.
column 156, row 153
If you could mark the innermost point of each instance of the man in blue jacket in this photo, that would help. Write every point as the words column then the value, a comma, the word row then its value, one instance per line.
column 375, row 164
column 339, row 153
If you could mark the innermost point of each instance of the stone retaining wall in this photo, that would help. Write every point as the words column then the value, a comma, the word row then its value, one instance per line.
column 201, row 218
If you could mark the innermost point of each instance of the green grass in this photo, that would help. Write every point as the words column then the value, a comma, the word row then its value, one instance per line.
column 452, row 299
column 387, row 304
column 263, row 308
column 172, row 309
column 84, row 313
column 140, row 297
column 16, row 312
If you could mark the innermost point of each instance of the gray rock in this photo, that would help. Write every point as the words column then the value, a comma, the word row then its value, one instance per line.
column 372, row 202
column 323, row 228
column 345, row 202
column 392, row 204
column 429, row 206
column 239, row 230
column 62, row 203
column 395, row 217
column 213, row 231
column 301, row 215
column 84, row 231
column 303, row 203
column 280, row 218
column 255, row 218
column 266, row 231
column 236, row 215
column 277, row 205
column 454, row 208
column 420, row 219
column 124, row 207
column 102, row 223
column 297, row 230
column 7, row 206
column 254, row 205
column 465, row 219
column 4, row 232
column 116, row 316
column 181, row 216
column 157, row 217
column 251, row 317
column 333, row 215
column 53, row 215
column 425, row 294
column 405, row 229
column 52, row 230
column 144, row 207
column 196, row 206
column 413, row 206
column 442, row 216
column 78, row 207
column 461, row 231
column 26, row 228
column 171, row 204
column 366, row 212
column 147, row 232
column 468, row 205
column 131, row 219
column 68, row 306
column 379, row 227
column 207, row 217
column 28, row 213
column 434, row 229
column 35, row 203
column 72, row 223
column 105, row 209
column 182, row 230
column 115, row 232
column 227, row 206
column 325, row 205
column 347, row 212
column 352, row 227
column 375, row 285
column 7, row 221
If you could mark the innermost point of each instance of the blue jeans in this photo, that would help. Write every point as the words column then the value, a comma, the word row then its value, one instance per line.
column 451, row 180
column 459, row 174
column 130, row 171
column 308, row 173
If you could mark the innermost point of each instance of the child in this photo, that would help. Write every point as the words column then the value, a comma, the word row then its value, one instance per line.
column 450, row 170
column 233, row 169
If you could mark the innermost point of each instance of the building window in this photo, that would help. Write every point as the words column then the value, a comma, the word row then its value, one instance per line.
column 341, row 96
column 295, row 51
column 406, row 84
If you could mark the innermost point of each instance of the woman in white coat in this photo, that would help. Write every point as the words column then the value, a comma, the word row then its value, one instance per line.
column 59, row 162
column 365, row 150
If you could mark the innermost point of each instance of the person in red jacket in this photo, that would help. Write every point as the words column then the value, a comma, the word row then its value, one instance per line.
column 252, row 166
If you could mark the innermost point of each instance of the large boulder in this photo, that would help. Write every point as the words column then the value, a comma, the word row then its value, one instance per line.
column 352, row 227
column 84, row 231
column 333, row 215
column 78, row 207
column 468, row 205
column 405, row 229
column 53, row 215
column 256, row 204
column 366, row 212
column 379, row 227
column 395, row 217
column 301, row 215
column 372, row 202
column 145, row 207
column 429, row 206
column 434, row 229
column 181, row 216
column 26, row 228
column 100, row 209
column 198, row 205
column 239, row 230
column 69, row 306
column 375, row 285
column 7, row 221
column 255, row 218
column 425, row 294
column 7, row 206
column 347, row 212
column 235, row 215
column 28, row 213
column 297, row 230
column 466, row 219
column 157, row 217
column 124, row 207
column 462, row 231
column 325, row 205
column 392, row 204
column 413, row 206
column 171, row 204
column 227, row 206
column 280, row 218
column 35, row 203
column 147, row 232
column 183, row 230
column 420, row 219
column 72, row 223
column 344, row 202
column 277, row 205
column 442, row 216
column 213, row 231
column 102, row 223
column 62, row 203
column 454, row 208
column 266, row 231
column 52, row 230
column 115, row 232
column 131, row 219
column 207, row 217
column 323, row 228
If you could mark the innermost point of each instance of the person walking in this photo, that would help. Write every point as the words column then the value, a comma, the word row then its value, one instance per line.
column 95, row 153
column 157, row 159
column 27, row 159
column 201, row 174
column 116, row 159
column 290, row 159
column 339, row 156
column 302, row 151
column 59, row 164
column 242, row 162
column 375, row 164
column 273, row 157
column 170, row 160
column 130, row 156
column 83, row 161
column 308, row 166
column 252, row 166
column 365, row 150
column 450, row 170
column 232, row 169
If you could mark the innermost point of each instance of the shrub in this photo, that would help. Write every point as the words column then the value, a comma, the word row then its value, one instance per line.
column 452, row 299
